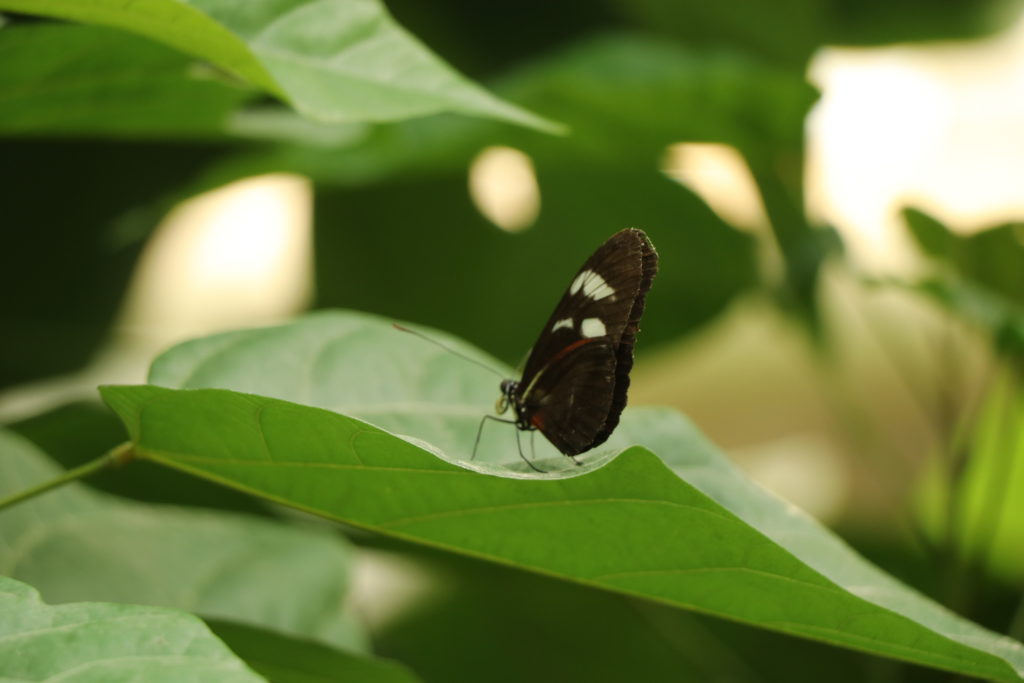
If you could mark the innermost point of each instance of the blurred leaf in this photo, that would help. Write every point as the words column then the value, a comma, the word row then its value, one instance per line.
column 574, row 633
column 980, row 277
column 791, row 31
column 334, row 60
column 992, row 258
column 289, row 660
column 432, row 258
column 60, row 79
column 78, row 213
column 1003, row 319
column 630, row 96
column 98, row 641
column 988, row 530
column 627, row 99
column 631, row 526
column 73, row 544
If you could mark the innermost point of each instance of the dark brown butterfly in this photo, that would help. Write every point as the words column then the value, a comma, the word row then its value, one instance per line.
column 574, row 384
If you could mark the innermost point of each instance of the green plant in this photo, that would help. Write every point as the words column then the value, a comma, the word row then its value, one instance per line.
column 656, row 560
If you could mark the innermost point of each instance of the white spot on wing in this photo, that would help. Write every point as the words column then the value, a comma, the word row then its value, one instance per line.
column 564, row 322
column 578, row 282
column 592, row 327
column 592, row 284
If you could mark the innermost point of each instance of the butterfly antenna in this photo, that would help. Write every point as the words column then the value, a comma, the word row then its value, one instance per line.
column 449, row 350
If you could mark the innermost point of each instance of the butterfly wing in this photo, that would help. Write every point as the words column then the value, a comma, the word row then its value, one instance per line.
column 575, row 380
column 572, row 405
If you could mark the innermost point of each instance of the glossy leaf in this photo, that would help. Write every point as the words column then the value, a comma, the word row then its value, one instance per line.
column 73, row 544
column 95, row 641
column 685, row 529
column 334, row 60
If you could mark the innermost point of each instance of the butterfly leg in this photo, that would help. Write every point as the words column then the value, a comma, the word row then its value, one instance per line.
column 480, row 430
column 519, row 446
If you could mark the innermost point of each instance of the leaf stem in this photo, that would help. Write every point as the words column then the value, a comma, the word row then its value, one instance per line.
column 116, row 456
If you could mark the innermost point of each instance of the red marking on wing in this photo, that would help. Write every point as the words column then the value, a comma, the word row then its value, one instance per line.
column 537, row 420
column 569, row 349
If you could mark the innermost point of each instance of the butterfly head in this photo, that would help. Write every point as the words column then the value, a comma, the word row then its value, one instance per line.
column 508, row 390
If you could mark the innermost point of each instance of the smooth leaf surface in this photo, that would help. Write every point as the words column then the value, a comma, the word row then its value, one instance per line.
column 333, row 60
column 94, row 641
column 73, row 544
column 289, row 660
column 60, row 79
column 687, row 530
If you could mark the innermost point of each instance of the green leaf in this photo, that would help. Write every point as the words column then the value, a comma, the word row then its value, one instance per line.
column 988, row 527
column 990, row 258
column 94, row 641
column 333, row 60
column 574, row 633
column 90, row 81
column 72, row 434
column 627, row 99
column 73, row 544
column 687, row 531
column 290, row 660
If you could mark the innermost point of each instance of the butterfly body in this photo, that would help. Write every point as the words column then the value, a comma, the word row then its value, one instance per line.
column 575, row 380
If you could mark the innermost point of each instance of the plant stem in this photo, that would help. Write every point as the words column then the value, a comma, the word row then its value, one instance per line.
column 118, row 455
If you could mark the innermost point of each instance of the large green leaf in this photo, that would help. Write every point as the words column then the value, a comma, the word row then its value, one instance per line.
column 73, row 544
column 686, row 530
column 60, row 79
column 333, row 60
column 94, row 641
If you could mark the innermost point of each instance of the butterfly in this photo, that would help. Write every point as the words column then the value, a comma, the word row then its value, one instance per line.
column 573, row 387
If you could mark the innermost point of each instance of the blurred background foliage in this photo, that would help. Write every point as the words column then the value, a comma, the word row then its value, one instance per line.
column 879, row 386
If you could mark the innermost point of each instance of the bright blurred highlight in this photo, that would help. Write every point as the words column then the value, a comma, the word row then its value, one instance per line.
column 503, row 187
column 937, row 127
column 721, row 177
column 237, row 256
